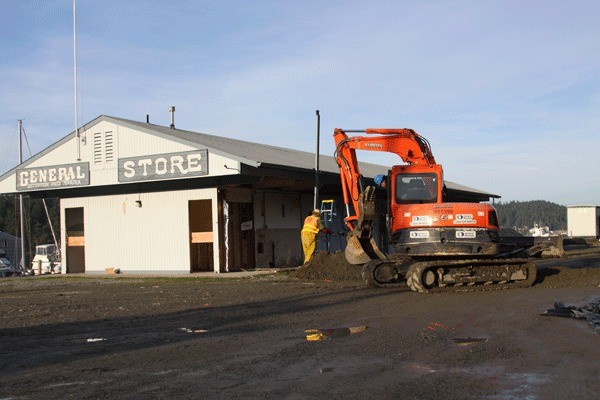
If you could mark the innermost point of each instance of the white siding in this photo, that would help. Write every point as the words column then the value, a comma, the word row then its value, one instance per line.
column 153, row 238
column 107, row 142
column 9, row 184
column 64, row 154
column 277, row 210
column 102, row 145
column 583, row 221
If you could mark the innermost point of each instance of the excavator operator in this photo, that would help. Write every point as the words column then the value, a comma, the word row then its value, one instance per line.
column 312, row 226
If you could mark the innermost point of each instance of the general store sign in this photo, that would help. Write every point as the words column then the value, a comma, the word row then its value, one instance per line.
column 164, row 166
column 53, row 177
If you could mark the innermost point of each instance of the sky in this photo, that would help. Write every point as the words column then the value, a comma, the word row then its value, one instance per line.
column 506, row 92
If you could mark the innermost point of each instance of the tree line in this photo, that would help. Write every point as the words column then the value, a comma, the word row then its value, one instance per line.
column 37, row 228
column 520, row 215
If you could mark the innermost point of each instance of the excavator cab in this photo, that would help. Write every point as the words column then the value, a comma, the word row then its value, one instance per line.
column 413, row 189
column 417, row 184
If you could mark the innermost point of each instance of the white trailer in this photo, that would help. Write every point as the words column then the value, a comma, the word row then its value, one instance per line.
column 583, row 221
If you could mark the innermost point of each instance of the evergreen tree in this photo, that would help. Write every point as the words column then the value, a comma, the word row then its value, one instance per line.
column 37, row 227
column 526, row 214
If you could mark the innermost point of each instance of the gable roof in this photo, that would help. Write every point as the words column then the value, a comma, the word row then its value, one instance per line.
column 250, row 153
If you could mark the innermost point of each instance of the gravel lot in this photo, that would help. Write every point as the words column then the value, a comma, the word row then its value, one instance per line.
column 174, row 337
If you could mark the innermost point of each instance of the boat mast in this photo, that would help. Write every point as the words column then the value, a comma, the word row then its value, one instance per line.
column 23, row 268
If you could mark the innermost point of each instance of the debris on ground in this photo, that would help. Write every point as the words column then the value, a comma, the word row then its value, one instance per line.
column 589, row 312
column 188, row 330
column 94, row 340
column 546, row 251
column 539, row 247
column 468, row 341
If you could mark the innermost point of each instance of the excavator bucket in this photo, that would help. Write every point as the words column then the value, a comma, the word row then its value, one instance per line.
column 362, row 250
column 361, row 247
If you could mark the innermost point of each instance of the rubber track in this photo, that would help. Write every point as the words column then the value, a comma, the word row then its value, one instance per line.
column 415, row 273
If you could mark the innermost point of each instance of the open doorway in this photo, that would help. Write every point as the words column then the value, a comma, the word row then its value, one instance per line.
column 75, row 240
column 201, row 235
column 241, row 236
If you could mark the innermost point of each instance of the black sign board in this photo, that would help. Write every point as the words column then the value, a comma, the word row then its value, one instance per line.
column 53, row 177
column 164, row 166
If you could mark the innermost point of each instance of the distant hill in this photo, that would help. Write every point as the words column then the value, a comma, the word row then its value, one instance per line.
column 523, row 215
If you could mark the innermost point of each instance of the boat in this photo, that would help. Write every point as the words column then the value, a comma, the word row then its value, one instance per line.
column 6, row 268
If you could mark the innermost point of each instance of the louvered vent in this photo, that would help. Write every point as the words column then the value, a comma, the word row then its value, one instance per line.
column 104, row 149
column 109, row 149
column 98, row 148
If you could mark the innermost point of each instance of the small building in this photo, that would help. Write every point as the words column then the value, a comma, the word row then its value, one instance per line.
column 583, row 221
column 10, row 246
column 147, row 198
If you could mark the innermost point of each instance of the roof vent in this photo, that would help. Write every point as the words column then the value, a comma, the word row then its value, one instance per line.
column 172, row 111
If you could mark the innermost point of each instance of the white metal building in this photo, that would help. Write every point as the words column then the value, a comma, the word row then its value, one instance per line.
column 583, row 221
column 147, row 198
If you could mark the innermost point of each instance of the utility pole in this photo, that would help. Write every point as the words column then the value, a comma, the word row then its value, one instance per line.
column 317, row 161
column 22, row 219
column 77, row 135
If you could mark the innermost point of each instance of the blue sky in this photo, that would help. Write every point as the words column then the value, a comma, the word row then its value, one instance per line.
column 506, row 92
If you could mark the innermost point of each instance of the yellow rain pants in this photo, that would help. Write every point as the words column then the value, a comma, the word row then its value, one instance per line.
column 309, row 244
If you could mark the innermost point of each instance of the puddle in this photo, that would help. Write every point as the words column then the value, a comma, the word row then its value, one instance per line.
column 468, row 341
column 323, row 334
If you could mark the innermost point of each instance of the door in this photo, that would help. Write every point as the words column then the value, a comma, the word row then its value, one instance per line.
column 75, row 240
column 201, row 235
column 241, row 238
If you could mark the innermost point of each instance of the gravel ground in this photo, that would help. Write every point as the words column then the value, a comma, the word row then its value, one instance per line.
column 135, row 337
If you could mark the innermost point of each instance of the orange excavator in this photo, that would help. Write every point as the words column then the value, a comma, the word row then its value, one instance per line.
column 434, row 245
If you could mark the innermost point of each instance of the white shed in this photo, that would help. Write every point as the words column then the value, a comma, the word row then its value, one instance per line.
column 583, row 221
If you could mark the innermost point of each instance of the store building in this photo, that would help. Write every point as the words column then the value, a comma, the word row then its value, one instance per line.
column 147, row 198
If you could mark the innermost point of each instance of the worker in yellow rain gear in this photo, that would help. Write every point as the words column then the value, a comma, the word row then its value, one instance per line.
column 310, row 230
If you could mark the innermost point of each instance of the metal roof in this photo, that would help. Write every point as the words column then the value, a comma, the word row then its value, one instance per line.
column 250, row 153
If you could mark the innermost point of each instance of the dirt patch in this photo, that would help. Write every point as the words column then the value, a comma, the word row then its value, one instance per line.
column 121, row 337
column 326, row 266
column 560, row 277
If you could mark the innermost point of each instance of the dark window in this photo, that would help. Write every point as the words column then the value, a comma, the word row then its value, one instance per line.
column 416, row 188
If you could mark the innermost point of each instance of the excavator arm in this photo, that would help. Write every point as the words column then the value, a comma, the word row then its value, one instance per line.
column 407, row 144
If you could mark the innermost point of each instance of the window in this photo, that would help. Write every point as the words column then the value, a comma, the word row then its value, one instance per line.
column 416, row 188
